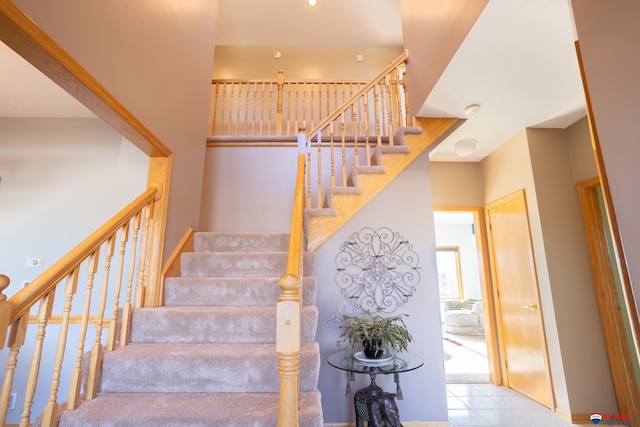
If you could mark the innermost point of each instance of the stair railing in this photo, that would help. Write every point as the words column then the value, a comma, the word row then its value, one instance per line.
column 369, row 118
column 289, row 307
column 114, row 262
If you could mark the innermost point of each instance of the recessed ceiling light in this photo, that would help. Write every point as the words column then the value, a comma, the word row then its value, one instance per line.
column 312, row 3
column 471, row 109
column 277, row 54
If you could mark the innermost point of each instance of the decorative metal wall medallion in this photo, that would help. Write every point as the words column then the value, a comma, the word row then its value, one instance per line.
column 377, row 269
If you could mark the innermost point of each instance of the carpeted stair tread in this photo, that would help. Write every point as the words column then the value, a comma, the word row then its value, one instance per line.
column 208, row 356
column 231, row 291
column 240, row 264
column 241, row 242
column 186, row 368
column 214, row 324
column 188, row 410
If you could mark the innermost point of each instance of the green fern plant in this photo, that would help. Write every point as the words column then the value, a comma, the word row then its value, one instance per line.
column 373, row 330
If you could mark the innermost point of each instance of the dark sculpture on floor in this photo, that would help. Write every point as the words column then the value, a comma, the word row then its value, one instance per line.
column 376, row 407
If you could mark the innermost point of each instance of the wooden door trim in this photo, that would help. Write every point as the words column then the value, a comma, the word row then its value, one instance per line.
column 618, row 351
column 520, row 194
column 486, row 287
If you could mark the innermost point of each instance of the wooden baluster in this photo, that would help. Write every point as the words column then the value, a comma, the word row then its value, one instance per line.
column 288, row 109
column 44, row 314
column 270, row 111
column 125, row 326
column 390, row 129
column 304, row 105
column 319, row 167
column 50, row 414
column 254, row 112
column 367, row 128
column 112, row 341
column 279, row 104
column 216, row 88
column 97, row 352
column 246, row 109
column 262, row 98
column 335, row 95
column 331, row 147
column 328, row 98
column 320, row 102
column 14, row 342
column 406, row 100
column 222, row 106
column 76, row 377
column 233, row 86
column 376, row 114
column 142, row 266
column 239, row 109
column 395, row 101
column 343, row 125
column 311, row 104
column 354, row 131
column 296, row 109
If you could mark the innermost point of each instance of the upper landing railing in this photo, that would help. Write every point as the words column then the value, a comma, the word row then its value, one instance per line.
column 275, row 108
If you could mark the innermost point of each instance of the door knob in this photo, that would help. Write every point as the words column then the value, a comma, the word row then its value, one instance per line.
column 531, row 306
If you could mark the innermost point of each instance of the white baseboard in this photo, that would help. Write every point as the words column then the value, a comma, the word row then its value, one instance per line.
column 404, row 423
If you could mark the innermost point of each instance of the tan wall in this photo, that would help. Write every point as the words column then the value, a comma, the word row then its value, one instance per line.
column 505, row 171
column 302, row 62
column 457, row 184
column 608, row 35
column 568, row 267
column 156, row 58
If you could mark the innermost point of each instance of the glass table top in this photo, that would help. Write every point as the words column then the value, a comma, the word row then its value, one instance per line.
column 354, row 361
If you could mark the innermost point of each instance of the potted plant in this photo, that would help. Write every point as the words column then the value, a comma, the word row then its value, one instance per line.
column 378, row 335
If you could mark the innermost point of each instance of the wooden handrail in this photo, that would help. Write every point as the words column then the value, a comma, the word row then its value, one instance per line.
column 288, row 339
column 28, row 296
column 348, row 103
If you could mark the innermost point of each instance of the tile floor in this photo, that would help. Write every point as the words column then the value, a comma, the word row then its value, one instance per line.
column 491, row 405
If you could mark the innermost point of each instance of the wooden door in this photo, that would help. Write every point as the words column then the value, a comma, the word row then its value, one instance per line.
column 521, row 332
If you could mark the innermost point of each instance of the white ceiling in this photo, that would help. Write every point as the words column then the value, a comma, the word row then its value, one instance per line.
column 518, row 63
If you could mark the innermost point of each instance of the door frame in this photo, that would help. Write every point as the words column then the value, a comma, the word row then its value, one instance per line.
column 488, row 304
column 615, row 334
column 503, row 371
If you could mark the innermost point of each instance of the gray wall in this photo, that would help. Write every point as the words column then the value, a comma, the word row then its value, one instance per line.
column 61, row 180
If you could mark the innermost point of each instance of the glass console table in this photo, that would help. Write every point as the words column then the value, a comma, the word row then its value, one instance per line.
column 372, row 404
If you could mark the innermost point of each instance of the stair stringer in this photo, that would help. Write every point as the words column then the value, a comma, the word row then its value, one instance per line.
column 342, row 203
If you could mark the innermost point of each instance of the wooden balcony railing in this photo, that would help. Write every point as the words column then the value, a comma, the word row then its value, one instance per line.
column 279, row 107
column 113, row 264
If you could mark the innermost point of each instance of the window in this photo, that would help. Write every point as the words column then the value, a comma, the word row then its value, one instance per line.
column 449, row 273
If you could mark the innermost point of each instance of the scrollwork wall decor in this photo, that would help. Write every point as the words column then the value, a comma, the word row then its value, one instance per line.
column 377, row 269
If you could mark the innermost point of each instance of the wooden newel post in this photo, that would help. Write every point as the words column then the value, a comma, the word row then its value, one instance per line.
column 279, row 105
column 5, row 309
column 288, row 349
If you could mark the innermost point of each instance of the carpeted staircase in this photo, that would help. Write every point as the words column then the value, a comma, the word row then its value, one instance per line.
column 208, row 357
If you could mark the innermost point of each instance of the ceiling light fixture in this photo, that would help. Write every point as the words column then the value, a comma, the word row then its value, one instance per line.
column 465, row 147
column 472, row 109
column 312, row 3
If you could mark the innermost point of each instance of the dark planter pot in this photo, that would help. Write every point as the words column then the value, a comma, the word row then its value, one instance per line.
column 374, row 350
